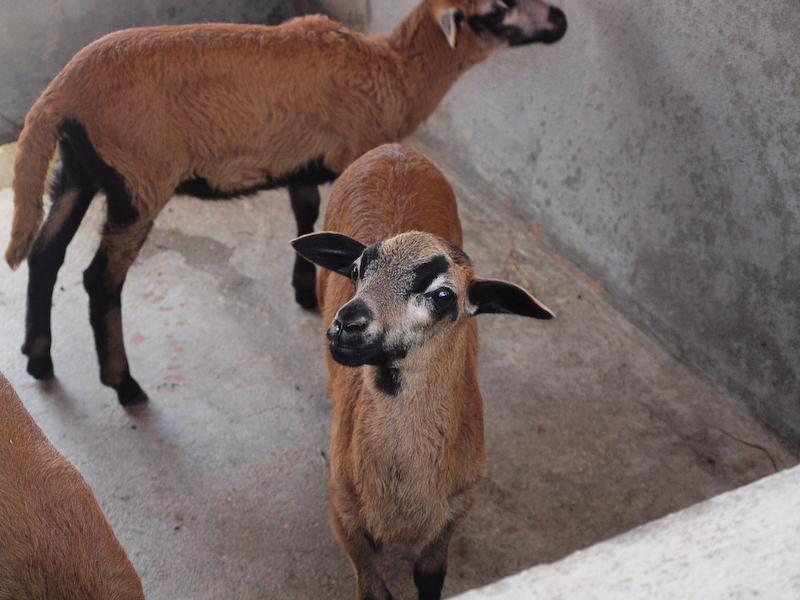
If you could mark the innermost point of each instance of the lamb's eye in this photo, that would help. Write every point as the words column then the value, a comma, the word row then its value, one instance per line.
column 354, row 273
column 442, row 297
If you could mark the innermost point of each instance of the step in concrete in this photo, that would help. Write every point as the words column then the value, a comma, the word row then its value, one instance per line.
column 741, row 544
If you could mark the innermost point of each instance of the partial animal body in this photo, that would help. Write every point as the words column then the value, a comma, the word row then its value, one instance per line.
column 55, row 542
column 219, row 111
column 399, row 296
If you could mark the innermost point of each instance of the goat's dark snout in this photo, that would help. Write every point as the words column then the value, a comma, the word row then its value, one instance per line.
column 350, row 324
column 558, row 20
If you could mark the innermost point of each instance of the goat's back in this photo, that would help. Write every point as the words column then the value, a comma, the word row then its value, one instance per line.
column 55, row 542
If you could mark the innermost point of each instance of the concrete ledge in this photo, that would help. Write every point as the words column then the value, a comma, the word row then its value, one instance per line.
column 742, row 544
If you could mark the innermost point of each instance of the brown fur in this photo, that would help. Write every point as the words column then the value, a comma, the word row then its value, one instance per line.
column 236, row 104
column 403, row 469
column 141, row 111
column 55, row 542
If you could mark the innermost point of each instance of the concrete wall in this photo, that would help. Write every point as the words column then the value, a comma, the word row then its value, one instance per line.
column 38, row 38
column 355, row 13
column 658, row 146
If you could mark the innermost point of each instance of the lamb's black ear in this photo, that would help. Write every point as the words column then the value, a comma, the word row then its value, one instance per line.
column 494, row 296
column 332, row 251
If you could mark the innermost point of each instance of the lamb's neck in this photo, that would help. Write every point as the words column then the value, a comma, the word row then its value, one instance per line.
column 434, row 377
column 428, row 65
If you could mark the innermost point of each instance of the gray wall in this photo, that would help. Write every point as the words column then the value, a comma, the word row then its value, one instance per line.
column 355, row 13
column 38, row 37
column 657, row 146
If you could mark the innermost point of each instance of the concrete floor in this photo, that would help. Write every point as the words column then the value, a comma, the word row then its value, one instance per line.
column 217, row 487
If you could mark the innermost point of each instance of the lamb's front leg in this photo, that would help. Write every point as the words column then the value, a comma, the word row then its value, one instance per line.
column 305, row 206
column 431, row 566
column 363, row 553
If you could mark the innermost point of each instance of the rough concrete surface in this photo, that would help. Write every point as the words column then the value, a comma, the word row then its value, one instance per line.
column 38, row 38
column 217, row 487
column 658, row 146
column 742, row 545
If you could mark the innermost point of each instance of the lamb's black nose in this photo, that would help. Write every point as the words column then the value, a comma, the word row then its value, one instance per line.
column 352, row 331
column 558, row 19
column 350, row 324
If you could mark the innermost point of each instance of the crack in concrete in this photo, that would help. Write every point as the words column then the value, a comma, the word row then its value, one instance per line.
column 751, row 445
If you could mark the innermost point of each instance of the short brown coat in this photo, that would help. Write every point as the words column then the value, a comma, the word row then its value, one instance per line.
column 55, row 542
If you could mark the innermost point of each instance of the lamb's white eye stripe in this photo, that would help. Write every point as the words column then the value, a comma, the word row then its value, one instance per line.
column 441, row 281
column 370, row 254
column 416, row 313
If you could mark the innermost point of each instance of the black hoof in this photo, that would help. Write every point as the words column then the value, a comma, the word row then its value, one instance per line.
column 41, row 368
column 306, row 298
column 130, row 394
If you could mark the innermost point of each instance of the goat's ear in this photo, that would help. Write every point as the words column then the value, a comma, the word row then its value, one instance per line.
column 449, row 20
column 494, row 296
column 332, row 251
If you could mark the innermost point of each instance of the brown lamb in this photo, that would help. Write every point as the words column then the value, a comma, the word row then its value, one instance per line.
column 55, row 542
column 407, row 444
column 219, row 111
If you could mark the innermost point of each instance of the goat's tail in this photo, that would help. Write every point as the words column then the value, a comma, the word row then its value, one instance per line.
column 34, row 150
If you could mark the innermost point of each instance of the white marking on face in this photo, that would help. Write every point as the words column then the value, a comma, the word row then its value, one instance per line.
column 417, row 313
column 535, row 16
column 373, row 329
column 514, row 19
column 440, row 281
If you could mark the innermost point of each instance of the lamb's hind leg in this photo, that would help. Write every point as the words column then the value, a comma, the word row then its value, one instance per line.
column 103, row 280
column 305, row 205
column 71, row 193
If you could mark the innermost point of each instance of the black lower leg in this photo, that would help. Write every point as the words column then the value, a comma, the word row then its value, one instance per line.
column 103, row 281
column 429, row 584
column 363, row 553
column 305, row 205
column 71, row 198
column 431, row 566
column 105, row 314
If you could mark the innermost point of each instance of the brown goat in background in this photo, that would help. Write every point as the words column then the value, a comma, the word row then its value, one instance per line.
column 55, row 542
column 407, row 443
column 221, row 111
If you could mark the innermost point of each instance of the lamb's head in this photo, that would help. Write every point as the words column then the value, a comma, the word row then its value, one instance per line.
column 408, row 290
column 499, row 22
